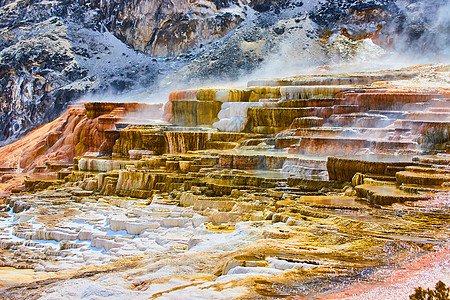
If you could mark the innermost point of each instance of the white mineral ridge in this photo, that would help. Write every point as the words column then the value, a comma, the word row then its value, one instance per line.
column 236, row 109
column 233, row 116
column 88, row 289
column 102, row 165
column 280, row 264
column 136, row 228
column 254, row 271
column 243, row 234
column 106, row 244
column 173, row 283
column 175, row 222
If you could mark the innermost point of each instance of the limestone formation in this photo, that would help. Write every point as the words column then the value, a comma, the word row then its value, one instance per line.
column 322, row 180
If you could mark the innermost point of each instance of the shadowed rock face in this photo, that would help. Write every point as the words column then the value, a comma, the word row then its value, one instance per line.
column 30, row 73
column 44, row 65
column 166, row 28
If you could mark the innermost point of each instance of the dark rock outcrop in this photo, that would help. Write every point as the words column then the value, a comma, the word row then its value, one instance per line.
column 48, row 61
column 166, row 28
column 29, row 70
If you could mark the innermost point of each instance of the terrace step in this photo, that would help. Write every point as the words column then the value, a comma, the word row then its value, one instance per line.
column 323, row 80
column 423, row 176
column 345, row 132
column 344, row 168
column 274, row 119
column 387, row 101
column 440, row 160
column 386, row 194
column 441, row 102
column 429, row 116
column 360, row 120
column 391, row 114
column 296, row 103
column 324, row 146
column 307, row 122
column 314, row 91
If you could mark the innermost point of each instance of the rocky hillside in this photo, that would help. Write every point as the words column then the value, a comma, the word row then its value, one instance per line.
column 54, row 52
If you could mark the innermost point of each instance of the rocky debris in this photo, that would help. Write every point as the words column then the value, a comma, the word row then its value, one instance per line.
column 331, row 12
column 256, row 45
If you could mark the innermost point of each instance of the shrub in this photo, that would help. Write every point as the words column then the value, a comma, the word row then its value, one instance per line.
column 440, row 292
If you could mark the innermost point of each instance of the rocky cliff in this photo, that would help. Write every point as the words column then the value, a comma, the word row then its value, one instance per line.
column 54, row 52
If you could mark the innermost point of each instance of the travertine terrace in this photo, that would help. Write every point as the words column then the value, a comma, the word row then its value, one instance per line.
column 290, row 187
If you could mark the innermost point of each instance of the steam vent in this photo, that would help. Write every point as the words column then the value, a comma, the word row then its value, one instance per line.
column 308, row 156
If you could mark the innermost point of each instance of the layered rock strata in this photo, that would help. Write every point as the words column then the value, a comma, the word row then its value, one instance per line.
column 82, row 128
column 177, row 211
